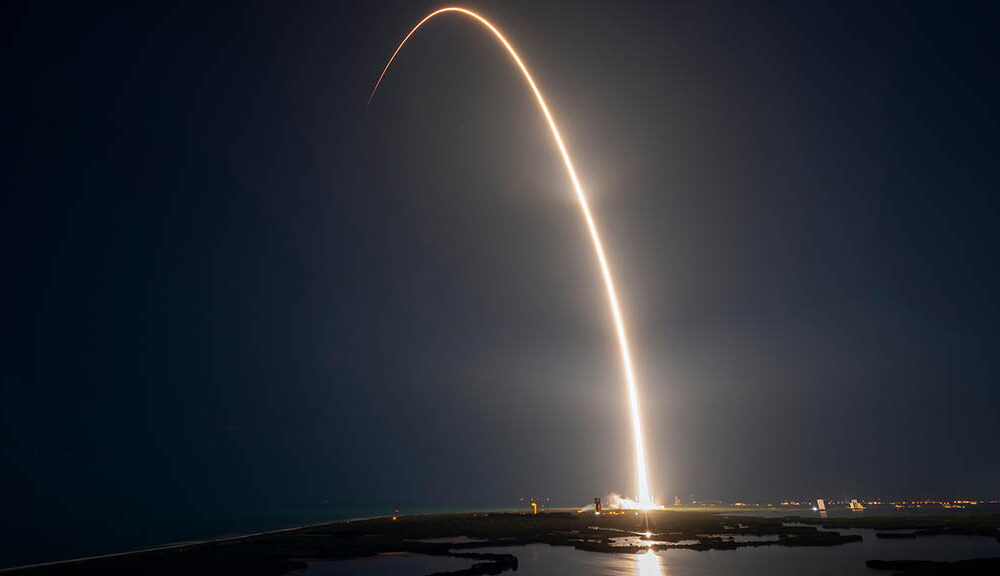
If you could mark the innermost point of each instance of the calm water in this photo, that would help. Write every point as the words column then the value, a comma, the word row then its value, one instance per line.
column 541, row 559
column 393, row 564
column 82, row 531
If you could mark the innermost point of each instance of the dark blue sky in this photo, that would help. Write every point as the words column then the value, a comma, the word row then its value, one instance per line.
column 225, row 284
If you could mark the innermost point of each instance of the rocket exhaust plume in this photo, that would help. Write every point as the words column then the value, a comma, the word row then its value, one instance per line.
column 644, row 499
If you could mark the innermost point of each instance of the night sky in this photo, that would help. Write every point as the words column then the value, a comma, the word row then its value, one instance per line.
column 228, row 286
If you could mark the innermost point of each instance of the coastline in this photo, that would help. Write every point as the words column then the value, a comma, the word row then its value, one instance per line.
column 227, row 538
column 291, row 549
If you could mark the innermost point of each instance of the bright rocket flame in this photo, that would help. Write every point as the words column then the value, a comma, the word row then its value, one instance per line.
column 619, row 502
column 645, row 500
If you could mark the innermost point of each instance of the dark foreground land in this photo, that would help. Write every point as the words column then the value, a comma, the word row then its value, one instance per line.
column 913, row 527
column 288, row 552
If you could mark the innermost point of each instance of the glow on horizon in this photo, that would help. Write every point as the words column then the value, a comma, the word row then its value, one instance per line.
column 644, row 498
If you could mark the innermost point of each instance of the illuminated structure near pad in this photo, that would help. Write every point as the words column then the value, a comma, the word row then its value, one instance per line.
column 644, row 499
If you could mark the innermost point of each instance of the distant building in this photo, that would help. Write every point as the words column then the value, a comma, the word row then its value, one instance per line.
column 597, row 505
column 677, row 501
column 821, row 505
column 855, row 505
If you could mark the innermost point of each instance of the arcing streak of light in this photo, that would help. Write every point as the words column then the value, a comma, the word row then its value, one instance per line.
column 645, row 500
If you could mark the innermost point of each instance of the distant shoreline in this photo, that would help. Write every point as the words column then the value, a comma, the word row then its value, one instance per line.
column 232, row 538
column 186, row 543
column 449, row 523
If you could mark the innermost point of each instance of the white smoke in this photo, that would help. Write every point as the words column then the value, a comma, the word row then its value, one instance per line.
column 616, row 502
column 619, row 502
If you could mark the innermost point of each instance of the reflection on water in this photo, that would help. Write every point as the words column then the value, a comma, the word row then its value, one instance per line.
column 544, row 560
column 637, row 541
column 648, row 564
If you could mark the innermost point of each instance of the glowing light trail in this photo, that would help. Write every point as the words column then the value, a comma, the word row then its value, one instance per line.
column 645, row 500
